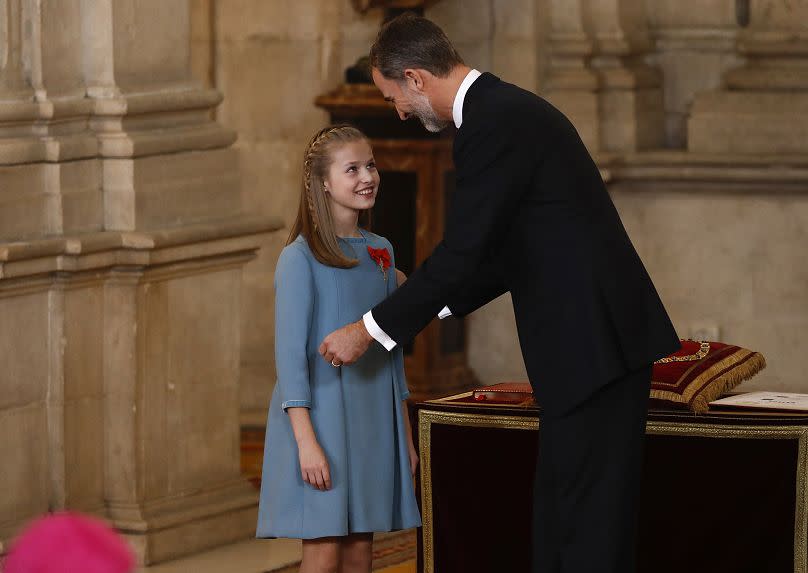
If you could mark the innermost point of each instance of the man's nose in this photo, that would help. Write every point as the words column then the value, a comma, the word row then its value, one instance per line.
column 403, row 115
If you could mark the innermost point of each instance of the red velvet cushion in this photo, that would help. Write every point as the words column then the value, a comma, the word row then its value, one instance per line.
column 696, row 374
column 701, row 372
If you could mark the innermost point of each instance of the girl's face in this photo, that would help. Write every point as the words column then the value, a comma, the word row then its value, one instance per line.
column 352, row 181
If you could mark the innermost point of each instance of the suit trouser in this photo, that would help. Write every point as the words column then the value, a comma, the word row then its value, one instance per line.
column 587, row 486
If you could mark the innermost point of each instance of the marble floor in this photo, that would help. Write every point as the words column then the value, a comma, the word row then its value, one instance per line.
column 249, row 556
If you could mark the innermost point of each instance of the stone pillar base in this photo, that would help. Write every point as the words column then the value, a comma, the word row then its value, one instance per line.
column 749, row 122
column 632, row 120
column 175, row 527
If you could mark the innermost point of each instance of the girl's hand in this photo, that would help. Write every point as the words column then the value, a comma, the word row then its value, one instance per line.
column 314, row 466
column 413, row 458
column 400, row 277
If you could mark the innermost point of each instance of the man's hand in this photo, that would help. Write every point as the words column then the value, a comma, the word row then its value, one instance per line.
column 346, row 345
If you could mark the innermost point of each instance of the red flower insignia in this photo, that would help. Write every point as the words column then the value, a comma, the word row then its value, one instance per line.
column 382, row 258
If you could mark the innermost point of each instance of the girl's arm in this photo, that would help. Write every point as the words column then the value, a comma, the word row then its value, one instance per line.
column 294, row 307
column 313, row 463
column 410, row 445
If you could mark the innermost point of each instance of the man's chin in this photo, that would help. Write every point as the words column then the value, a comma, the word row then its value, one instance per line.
column 433, row 127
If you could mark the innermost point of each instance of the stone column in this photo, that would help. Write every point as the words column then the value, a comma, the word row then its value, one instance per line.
column 570, row 84
column 694, row 47
column 763, row 105
column 631, row 112
column 122, row 240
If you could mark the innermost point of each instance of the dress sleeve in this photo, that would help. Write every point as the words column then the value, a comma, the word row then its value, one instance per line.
column 294, row 304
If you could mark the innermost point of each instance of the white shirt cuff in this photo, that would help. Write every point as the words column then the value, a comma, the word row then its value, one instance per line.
column 376, row 332
column 444, row 313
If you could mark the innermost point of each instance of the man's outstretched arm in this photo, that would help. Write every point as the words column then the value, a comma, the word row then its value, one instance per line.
column 496, row 170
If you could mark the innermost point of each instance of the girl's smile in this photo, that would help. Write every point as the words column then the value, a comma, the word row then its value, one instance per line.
column 352, row 184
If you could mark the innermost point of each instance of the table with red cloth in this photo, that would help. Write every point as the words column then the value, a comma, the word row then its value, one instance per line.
column 723, row 491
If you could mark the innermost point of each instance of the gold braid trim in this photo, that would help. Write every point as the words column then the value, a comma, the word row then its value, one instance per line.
column 703, row 350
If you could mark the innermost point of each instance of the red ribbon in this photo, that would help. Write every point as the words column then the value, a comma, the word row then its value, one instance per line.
column 381, row 257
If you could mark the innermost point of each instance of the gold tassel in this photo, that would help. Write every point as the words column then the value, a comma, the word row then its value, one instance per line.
column 722, row 384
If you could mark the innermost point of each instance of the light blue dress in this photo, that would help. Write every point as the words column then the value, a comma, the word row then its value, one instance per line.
column 355, row 409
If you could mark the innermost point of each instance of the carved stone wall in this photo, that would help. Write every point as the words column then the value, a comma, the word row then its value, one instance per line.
column 122, row 238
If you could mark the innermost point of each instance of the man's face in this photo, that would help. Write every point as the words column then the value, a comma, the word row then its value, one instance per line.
column 409, row 102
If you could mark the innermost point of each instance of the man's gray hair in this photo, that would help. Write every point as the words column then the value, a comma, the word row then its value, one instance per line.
column 410, row 41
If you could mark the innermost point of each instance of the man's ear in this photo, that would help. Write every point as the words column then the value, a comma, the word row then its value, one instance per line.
column 415, row 79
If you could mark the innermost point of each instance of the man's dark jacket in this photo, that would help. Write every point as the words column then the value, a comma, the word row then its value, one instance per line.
column 531, row 215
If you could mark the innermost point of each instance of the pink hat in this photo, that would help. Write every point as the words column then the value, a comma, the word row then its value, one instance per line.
column 68, row 542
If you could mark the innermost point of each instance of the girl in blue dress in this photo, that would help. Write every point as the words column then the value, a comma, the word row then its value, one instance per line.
column 338, row 457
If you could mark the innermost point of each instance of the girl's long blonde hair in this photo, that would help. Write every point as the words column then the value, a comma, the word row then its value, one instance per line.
column 314, row 219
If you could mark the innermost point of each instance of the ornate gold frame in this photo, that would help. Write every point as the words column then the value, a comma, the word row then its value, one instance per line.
column 427, row 417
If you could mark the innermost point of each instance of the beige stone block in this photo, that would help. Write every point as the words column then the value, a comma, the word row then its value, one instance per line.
column 155, row 47
column 82, row 197
column 477, row 55
column 272, row 175
column 463, row 20
column 84, row 453
column 203, row 47
column 687, row 70
column 631, row 120
column 24, row 349
column 357, row 32
column 672, row 14
column 202, row 20
column 84, row 334
column 775, row 14
column 749, row 122
column 24, row 473
column 197, row 535
column 783, row 346
column 723, row 254
column 30, row 205
column 493, row 343
column 189, row 372
column 780, row 281
column 186, row 187
column 258, row 374
column 122, row 323
column 61, row 47
column 279, row 20
column 15, row 79
column 275, row 102
column 515, row 19
column 515, row 62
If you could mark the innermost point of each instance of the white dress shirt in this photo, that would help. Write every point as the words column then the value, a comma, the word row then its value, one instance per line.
column 457, row 115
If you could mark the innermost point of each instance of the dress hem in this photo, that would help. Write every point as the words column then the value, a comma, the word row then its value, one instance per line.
column 290, row 536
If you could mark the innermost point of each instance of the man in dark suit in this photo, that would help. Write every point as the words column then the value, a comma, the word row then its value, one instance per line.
column 531, row 216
